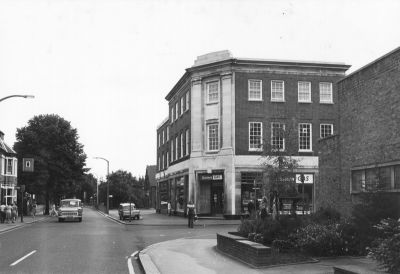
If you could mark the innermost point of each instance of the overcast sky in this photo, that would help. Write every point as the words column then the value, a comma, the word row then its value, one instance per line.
column 106, row 66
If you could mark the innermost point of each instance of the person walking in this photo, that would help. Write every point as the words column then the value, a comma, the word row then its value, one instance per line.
column 2, row 213
column 34, row 209
column 191, row 214
column 169, row 208
column 14, row 212
column 8, row 213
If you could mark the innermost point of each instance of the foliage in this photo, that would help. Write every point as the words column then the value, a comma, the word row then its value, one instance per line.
column 326, row 216
column 124, row 188
column 387, row 251
column 373, row 207
column 89, row 186
column 59, row 158
column 319, row 240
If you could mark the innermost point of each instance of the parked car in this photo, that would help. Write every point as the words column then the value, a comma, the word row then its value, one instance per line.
column 70, row 209
column 125, row 212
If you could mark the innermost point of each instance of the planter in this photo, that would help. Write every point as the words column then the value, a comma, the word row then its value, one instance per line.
column 255, row 254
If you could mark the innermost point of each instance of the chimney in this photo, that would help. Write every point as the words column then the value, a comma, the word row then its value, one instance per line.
column 1, row 135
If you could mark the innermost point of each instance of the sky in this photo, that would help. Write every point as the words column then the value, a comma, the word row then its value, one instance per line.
column 106, row 66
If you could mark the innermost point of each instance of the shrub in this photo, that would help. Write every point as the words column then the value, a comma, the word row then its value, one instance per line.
column 325, row 216
column 387, row 251
column 319, row 240
column 283, row 245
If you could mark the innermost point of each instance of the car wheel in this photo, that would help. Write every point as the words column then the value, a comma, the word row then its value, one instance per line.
column 80, row 219
column 60, row 220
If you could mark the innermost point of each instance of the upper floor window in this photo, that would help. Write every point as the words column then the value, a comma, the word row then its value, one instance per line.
column 182, row 105
column 162, row 161
column 212, row 92
column 255, row 136
column 163, row 137
column 187, row 138
column 212, row 137
column 277, row 91
column 305, row 138
column 167, row 164
column 326, row 130
column 176, row 148
column 255, row 90
column 187, row 100
column 167, row 133
column 172, row 114
column 325, row 93
column 159, row 139
column 172, row 150
column 278, row 136
column 385, row 177
column 182, row 144
column 176, row 111
column 304, row 92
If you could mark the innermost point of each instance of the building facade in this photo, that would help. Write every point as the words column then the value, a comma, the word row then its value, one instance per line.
column 224, row 110
column 150, row 186
column 8, row 172
column 366, row 152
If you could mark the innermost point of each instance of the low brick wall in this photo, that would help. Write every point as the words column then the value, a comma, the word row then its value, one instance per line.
column 249, row 252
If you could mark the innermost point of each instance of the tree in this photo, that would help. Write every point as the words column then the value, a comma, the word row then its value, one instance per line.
column 59, row 158
column 124, row 188
column 279, row 167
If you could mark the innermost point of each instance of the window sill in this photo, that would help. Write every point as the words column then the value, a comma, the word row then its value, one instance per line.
column 255, row 100
column 278, row 101
column 212, row 103
column 304, row 102
column 255, row 150
column 308, row 151
column 326, row 103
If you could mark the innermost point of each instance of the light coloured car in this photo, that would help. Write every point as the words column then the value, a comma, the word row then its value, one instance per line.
column 125, row 213
column 70, row 209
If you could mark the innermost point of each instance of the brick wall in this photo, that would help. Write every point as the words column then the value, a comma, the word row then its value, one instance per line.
column 290, row 112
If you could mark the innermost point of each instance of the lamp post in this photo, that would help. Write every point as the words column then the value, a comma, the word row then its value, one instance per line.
column 23, row 96
column 108, row 173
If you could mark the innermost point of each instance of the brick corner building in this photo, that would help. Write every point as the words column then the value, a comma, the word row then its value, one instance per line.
column 367, row 150
column 221, row 112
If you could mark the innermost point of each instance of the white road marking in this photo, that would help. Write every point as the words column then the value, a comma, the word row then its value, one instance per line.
column 130, row 266
column 23, row 258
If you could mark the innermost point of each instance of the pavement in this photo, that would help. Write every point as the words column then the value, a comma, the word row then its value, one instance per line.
column 199, row 255
column 27, row 220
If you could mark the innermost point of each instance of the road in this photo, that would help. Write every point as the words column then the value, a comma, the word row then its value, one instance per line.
column 96, row 245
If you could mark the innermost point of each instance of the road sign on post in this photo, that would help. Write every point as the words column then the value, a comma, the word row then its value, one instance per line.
column 28, row 164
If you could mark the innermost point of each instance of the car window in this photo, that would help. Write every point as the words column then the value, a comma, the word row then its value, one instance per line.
column 69, row 203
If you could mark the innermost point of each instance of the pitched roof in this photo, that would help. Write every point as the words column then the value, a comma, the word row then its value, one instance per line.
column 5, row 148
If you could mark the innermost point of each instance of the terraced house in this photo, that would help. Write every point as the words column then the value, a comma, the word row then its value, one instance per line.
column 221, row 113
column 8, row 172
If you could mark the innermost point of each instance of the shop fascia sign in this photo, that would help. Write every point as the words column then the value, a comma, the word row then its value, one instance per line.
column 308, row 179
column 213, row 177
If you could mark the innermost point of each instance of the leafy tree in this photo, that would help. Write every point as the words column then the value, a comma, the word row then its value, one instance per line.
column 89, row 186
column 124, row 188
column 279, row 168
column 59, row 158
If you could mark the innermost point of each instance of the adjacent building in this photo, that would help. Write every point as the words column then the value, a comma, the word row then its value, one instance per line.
column 150, row 186
column 365, row 154
column 223, row 110
column 8, row 172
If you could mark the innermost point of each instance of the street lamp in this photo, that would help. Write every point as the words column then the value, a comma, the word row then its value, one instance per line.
column 23, row 96
column 108, row 173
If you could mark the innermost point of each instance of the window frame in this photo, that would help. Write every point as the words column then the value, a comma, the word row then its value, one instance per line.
column 187, row 139
column 260, row 148
column 187, row 102
column 320, row 93
column 320, row 130
column 272, row 136
column 249, row 90
column 217, row 141
column 182, row 106
column 308, row 100
column 182, row 144
column 176, row 111
column 273, row 99
column 176, row 148
column 208, row 84
column 310, row 137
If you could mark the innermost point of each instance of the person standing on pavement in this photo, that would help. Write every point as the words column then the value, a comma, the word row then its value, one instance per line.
column 8, row 213
column 34, row 209
column 14, row 212
column 2, row 213
column 191, row 214
column 169, row 208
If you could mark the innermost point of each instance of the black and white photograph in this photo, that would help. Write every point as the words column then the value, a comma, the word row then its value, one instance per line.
column 202, row 137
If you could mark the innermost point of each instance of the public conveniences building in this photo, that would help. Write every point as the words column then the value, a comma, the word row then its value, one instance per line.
column 8, row 172
column 222, row 110
column 365, row 154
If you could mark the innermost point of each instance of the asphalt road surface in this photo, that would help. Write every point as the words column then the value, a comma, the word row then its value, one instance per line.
column 96, row 245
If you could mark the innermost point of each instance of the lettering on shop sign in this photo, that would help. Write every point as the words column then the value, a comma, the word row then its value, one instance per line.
column 211, row 177
column 308, row 178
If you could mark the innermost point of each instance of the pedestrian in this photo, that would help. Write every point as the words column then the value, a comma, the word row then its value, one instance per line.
column 8, row 213
column 53, row 210
column 169, row 208
column 2, row 213
column 250, row 207
column 264, row 211
column 34, row 210
column 191, row 214
column 14, row 212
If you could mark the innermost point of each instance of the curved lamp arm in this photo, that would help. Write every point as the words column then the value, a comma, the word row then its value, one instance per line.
column 23, row 96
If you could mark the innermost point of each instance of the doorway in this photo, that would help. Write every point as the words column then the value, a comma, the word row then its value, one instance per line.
column 217, row 198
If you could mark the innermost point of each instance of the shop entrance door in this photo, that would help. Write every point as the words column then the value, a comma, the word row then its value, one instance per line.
column 217, row 198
